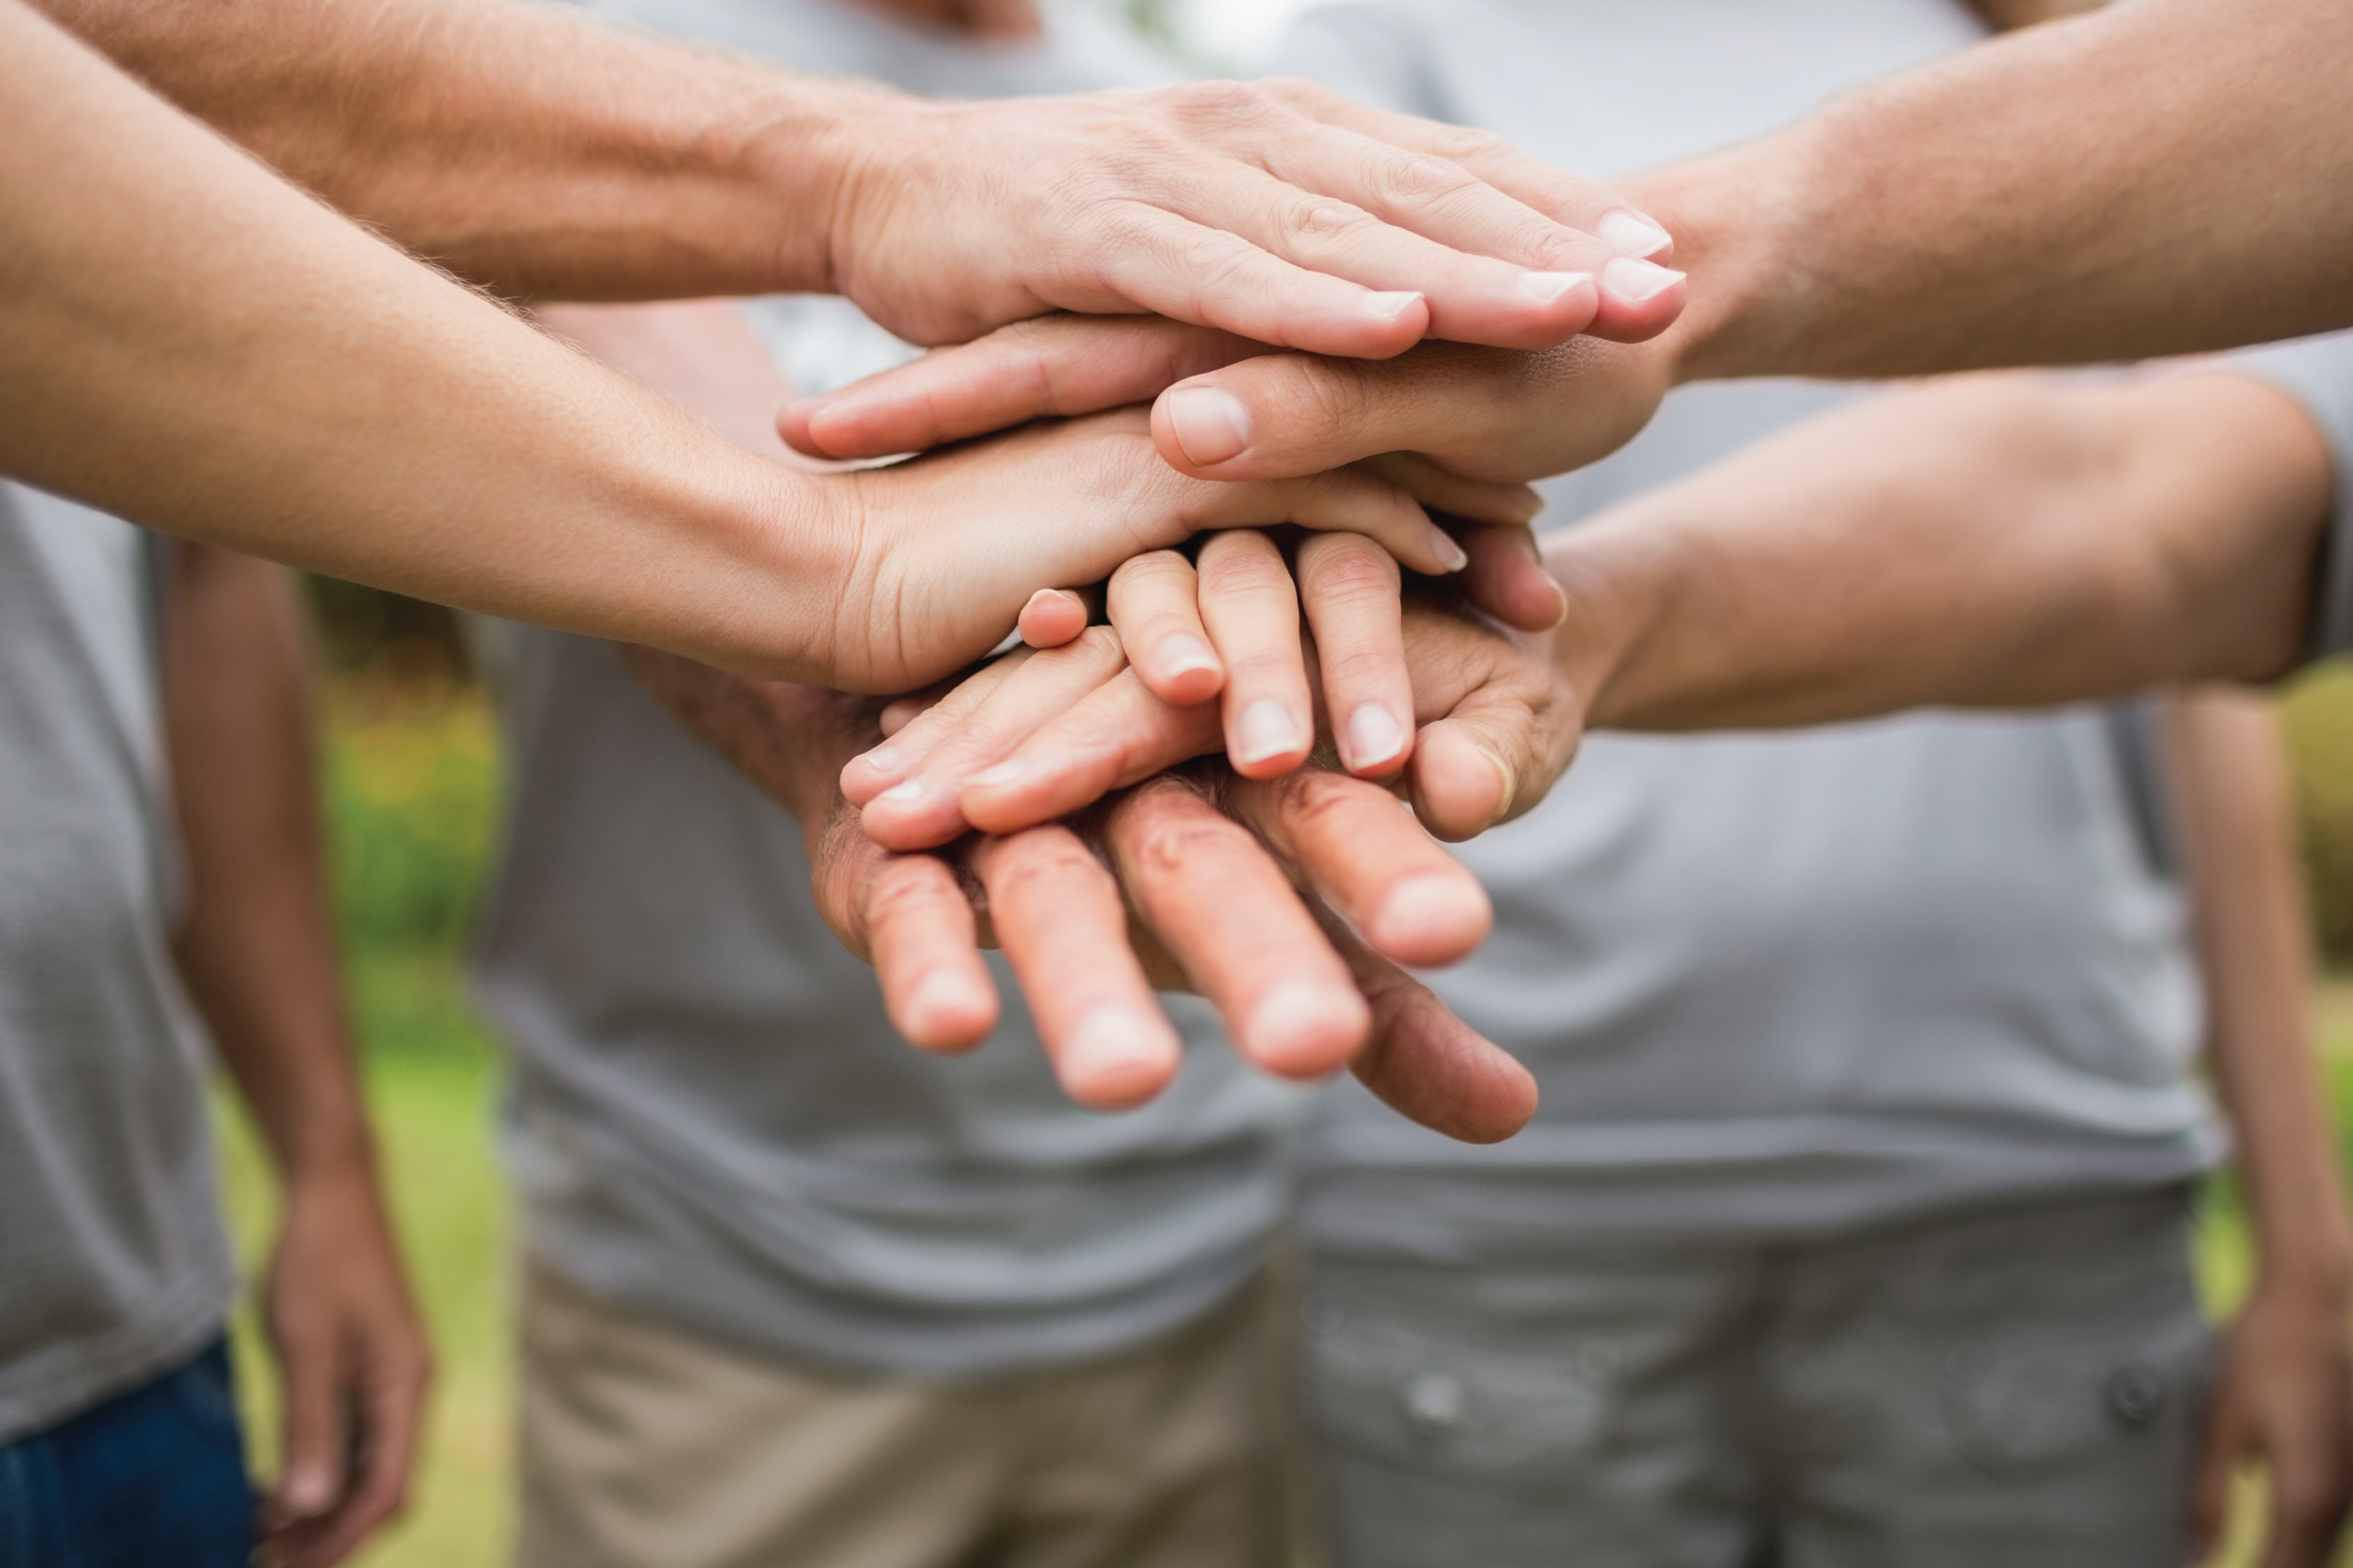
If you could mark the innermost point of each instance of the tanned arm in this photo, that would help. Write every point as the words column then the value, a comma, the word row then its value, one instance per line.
column 2285, row 1395
column 257, row 948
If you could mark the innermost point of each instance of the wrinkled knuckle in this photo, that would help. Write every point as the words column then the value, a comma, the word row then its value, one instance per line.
column 1314, row 798
column 1461, row 144
column 1348, row 568
column 1219, row 102
column 1319, row 223
column 1169, row 841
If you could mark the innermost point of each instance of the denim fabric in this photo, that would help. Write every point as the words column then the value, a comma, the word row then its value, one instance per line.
column 151, row 1479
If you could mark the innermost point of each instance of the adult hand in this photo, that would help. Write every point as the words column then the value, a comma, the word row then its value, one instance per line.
column 1275, row 209
column 1229, row 629
column 353, row 1366
column 1205, row 896
column 1039, row 735
column 940, row 555
column 2285, row 1397
column 1231, row 409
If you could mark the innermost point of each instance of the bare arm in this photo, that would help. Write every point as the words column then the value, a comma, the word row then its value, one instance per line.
column 1997, row 541
column 2286, row 1392
column 2159, row 177
column 558, row 157
column 256, row 949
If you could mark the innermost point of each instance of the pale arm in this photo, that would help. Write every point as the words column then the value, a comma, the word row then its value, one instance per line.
column 2286, row 1392
column 257, row 949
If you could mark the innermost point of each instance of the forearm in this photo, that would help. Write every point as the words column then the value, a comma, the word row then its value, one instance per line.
column 257, row 948
column 2162, row 177
column 195, row 344
column 2236, row 819
column 1997, row 543
column 523, row 145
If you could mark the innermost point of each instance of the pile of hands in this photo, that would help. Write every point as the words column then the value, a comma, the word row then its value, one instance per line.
column 1267, row 599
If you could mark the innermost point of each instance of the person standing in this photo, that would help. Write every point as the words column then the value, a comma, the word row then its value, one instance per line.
column 161, row 897
column 1853, row 1225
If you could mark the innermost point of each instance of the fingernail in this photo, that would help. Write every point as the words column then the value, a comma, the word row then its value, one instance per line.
column 1004, row 773
column 306, row 1490
column 1633, row 233
column 1635, row 281
column 1544, row 287
column 1181, row 653
column 1374, row 736
column 1450, row 553
column 882, row 759
column 1210, row 424
column 1303, row 1029
column 940, row 1000
column 911, row 790
column 1111, row 1055
column 1266, row 731
column 1430, row 920
column 1388, row 307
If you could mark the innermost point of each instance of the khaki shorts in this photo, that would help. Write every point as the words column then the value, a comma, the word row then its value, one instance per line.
column 644, row 1446
column 2011, row 1389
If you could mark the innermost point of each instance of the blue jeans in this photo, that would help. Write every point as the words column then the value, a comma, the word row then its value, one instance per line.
column 151, row 1479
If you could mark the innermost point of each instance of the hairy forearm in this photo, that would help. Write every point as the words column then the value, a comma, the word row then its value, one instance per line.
column 2162, row 177
column 2230, row 776
column 256, row 945
column 1996, row 542
column 523, row 145
column 192, row 343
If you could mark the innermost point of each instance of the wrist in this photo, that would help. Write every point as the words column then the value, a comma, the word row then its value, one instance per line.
column 809, row 148
column 1615, row 588
column 825, row 153
column 1735, row 215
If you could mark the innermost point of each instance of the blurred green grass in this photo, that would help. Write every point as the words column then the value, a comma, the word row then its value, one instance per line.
column 413, row 781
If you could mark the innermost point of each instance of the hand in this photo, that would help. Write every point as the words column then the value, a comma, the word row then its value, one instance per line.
column 1212, row 904
column 941, row 555
column 354, row 1366
column 1276, row 210
column 1228, row 408
column 1039, row 735
column 1230, row 629
column 2286, row 1395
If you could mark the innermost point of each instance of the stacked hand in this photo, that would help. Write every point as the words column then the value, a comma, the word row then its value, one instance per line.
column 1120, row 852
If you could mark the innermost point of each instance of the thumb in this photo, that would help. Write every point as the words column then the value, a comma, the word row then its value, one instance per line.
column 1489, row 759
column 1051, row 367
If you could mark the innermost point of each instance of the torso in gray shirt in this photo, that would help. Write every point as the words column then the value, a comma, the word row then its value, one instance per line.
column 1771, row 982
column 712, row 1122
column 114, row 1263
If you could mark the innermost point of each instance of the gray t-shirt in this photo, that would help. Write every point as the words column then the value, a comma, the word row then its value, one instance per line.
column 1770, row 984
column 711, row 1120
column 2318, row 373
column 113, row 1262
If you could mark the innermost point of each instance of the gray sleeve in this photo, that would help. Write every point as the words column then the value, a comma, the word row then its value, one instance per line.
column 2318, row 373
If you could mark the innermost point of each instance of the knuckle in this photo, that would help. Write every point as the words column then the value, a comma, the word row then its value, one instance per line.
column 1317, row 225
column 1313, row 800
column 1168, row 841
column 1220, row 102
column 1347, row 568
column 1043, row 860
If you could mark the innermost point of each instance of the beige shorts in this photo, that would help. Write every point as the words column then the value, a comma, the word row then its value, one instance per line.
column 644, row 1446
